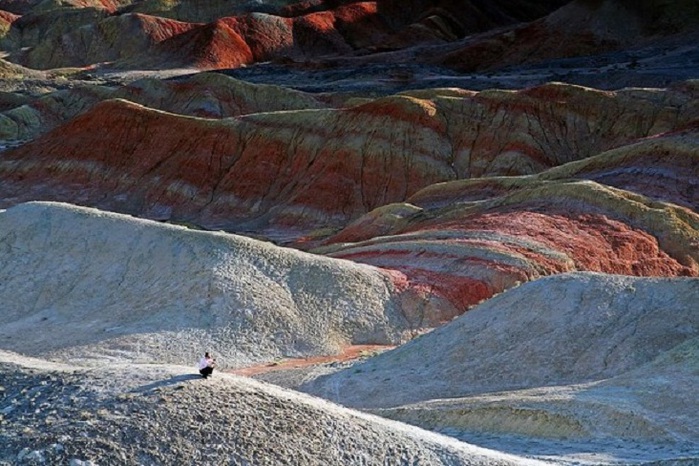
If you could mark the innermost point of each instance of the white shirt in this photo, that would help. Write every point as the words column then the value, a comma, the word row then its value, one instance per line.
column 205, row 362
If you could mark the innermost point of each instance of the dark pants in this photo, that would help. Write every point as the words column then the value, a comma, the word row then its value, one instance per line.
column 205, row 372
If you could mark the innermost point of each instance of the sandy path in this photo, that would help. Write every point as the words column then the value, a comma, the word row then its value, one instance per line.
column 348, row 354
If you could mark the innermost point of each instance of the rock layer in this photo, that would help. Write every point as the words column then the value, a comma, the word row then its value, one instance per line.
column 331, row 166
column 580, row 28
column 462, row 252
column 209, row 95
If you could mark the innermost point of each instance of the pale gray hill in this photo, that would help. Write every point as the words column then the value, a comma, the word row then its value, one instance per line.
column 560, row 330
column 647, row 414
column 162, row 415
column 82, row 284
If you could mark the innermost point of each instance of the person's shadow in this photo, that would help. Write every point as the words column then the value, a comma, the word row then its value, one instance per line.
column 164, row 383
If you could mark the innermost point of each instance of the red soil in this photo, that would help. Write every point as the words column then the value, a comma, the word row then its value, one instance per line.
column 348, row 354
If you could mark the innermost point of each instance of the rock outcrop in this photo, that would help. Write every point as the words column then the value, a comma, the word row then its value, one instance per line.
column 109, row 39
column 462, row 251
column 209, row 95
column 626, row 409
column 582, row 27
column 420, row 21
column 138, row 41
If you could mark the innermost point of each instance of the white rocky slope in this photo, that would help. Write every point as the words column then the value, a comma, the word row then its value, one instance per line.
column 648, row 413
column 577, row 369
column 559, row 330
column 156, row 414
column 85, row 284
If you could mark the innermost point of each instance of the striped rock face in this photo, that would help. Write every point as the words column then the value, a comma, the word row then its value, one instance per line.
column 220, row 34
column 464, row 241
column 391, row 180
column 135, row 40
column 456, row 194
column 330, row 165
column 468, row 251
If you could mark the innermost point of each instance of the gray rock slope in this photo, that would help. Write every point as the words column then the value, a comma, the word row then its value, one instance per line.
column 559, row 330
column 78, row 283
column 161, row 415
column 653, row 405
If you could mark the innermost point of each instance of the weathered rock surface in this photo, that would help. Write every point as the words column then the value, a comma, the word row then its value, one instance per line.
column 39, row 26
column 209, row 95
column 160, row 414
column 87, row 284
column 628, row 407
column 194, row 11
column 554, row 331
column 644, row 416
column 331, row 166
column 138, row 41
column 109, row 39
column 463, row 251
column 237, row 34
column 420, row 21
column 464, row 241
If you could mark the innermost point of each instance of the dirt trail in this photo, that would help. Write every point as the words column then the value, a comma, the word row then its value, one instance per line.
column 348, row 354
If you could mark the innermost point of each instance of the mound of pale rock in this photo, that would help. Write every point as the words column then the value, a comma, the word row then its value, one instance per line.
column 87, row 283
column 652, row 404
column 560, row 330
column 151, row 414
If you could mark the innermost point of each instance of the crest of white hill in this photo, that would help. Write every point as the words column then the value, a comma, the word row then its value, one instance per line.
column 83, row 283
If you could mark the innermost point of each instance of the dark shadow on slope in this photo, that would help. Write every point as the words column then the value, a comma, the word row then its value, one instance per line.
column 165, row 383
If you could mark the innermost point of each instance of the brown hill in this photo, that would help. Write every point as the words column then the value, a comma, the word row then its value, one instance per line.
column 420, row 21
column 209, row 95
column 110, row 39
column 234, row 41
column 139, row 41
column 583, row 27
column 331, row 166
column 466, row 251
column 465, row 240
column 34, row 28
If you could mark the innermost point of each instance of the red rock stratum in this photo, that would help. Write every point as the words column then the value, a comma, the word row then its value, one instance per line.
column 330, row 166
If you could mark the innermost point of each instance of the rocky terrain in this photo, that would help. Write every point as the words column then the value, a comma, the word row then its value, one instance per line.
column 153, row 414
column 154, row 284
column 492, row 205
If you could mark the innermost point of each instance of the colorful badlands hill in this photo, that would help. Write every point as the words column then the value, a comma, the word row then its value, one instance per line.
column 366, row 181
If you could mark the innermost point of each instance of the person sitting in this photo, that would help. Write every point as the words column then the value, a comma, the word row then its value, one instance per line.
column 206, row 365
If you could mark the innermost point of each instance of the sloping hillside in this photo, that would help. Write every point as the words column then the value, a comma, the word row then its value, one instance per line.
column 163, row 414
column 88, row 285
column 559, row 330
column 625, row 407
column 331, row 166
